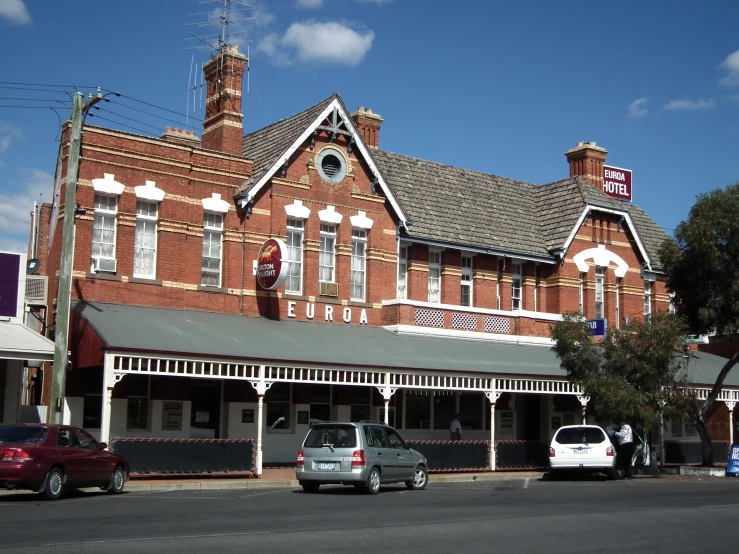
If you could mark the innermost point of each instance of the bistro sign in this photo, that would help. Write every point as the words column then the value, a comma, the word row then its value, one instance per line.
column 271, row 269
column 617, row 182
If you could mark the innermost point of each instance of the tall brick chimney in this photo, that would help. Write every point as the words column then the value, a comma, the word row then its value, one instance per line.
column 222, row 127
column 586, row 160
column 368, row 124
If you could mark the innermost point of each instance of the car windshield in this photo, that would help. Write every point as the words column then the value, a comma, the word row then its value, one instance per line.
column 22, row 434
column 340, row 436
column 580, row 435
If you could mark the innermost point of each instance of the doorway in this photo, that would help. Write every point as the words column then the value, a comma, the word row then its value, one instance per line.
column 530, row 414
column 205, row 413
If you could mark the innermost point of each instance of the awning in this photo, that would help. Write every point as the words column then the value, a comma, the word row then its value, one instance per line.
column 18, row 342
column 290, row 342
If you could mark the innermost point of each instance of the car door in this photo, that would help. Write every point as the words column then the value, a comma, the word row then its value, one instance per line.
column 405, row 462
column 97, row 463
column 385, row 454
column 70, row 456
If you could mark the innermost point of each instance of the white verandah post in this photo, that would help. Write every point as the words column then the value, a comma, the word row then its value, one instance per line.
column 261, row 387
column 109, row 381
column 493, row 398
column 731, row 404
column 387, row 393
column 584, row 403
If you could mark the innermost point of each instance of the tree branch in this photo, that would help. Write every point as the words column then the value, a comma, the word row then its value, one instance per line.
column 731, row 362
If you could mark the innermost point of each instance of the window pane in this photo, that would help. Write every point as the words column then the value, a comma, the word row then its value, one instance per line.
column 471, row 410
column 444, row 410
column 417, row 411
column 137, row 417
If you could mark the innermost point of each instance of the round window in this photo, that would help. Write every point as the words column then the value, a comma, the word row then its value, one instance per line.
column 331, row 166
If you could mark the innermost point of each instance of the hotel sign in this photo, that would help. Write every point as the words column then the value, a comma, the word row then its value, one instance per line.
column 272, row 264
column 617, row 182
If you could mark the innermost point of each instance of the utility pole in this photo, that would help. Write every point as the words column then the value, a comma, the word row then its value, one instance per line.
column 63, row 299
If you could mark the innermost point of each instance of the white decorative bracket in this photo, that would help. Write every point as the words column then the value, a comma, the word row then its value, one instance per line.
column 731, row 404
column 493, row 396
column 583, row 400
column 387, row 392
column 261, row 386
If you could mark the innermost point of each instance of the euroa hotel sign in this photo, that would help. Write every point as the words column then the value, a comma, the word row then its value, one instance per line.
column 340, row 313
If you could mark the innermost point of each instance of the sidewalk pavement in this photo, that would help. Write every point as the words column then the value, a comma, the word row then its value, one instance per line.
column 284, row 477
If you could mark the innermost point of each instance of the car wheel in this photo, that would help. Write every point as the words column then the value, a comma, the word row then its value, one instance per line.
column 373, row 481
column 310, row 487
column 117, row 481
column 612, row 474
column 420, row 479
column 54, row 484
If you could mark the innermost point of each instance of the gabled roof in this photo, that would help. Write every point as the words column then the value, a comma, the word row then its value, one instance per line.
column 273, row 145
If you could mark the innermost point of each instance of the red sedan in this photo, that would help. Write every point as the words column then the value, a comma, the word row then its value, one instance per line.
column 51, row 458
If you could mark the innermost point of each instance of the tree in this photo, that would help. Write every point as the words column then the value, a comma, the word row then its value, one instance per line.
column 702, row 267
column 634, row 373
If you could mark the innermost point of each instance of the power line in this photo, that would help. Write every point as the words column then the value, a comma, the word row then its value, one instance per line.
column 153, row 105
column 123, row 125
column 153, row 115
column 28, row 107
column 46, row 85
column 130, row 119
column 32, row 99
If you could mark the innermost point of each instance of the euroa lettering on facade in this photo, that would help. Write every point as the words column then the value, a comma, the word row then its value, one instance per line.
column 386, row 305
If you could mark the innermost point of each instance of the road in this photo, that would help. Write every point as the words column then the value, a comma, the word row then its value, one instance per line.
column 523, row 516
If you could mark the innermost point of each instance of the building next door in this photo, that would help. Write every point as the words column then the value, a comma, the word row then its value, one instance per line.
column 205, row 415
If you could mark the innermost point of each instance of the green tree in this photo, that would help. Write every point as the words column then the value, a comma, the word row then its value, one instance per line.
column 702, row 267
column 633, row 374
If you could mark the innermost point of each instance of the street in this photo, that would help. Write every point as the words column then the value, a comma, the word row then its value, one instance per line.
column 517, row 515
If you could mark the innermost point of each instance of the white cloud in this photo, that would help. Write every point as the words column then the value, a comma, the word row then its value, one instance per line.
column 374, row 1
column 690, row 105
column 8, row 134
column 638, row 108
column 330, row 42
column 16, row 206
column 309, row 4
column 731, row 65
column 15, row 11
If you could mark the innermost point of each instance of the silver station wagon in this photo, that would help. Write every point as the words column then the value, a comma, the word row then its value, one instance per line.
column 363, row 454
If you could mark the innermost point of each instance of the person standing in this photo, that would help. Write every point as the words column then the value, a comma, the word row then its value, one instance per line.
column 455, row 428
column 625, row 437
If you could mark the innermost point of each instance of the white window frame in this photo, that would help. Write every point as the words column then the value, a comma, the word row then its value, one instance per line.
column 212, row 228
column 517, row 285
column 146, row 218
column 599, row 294
column 402, row 288
column 105, row 213
column 295, row 232
column 466, row 280
column 359, row 240
column 647, row 300
column 581, row 294
column 434, row 281
column 618, row 303
column 328, row 233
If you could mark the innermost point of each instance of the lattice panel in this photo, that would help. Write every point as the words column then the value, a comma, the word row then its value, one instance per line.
column 429, row 318
column 497, row 324
column 468, row 322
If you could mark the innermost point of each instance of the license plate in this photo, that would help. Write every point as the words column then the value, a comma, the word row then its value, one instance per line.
column 326, row 466
column 581, row 450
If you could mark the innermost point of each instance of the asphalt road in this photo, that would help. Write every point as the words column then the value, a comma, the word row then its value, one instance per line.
column 523, row 516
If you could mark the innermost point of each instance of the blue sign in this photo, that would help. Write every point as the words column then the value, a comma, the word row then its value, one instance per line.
column 597, row 326
column 733, row 467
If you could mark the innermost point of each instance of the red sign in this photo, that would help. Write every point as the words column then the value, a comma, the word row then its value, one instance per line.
column 617, row 182
column 271, row 270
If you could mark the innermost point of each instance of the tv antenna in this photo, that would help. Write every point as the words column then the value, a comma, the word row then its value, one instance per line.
column 231, row 16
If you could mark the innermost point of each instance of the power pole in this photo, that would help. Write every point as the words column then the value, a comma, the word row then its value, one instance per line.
column 63, row 299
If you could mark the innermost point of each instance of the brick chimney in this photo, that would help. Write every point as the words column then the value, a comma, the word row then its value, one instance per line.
column 222, row 127
column 180, row 136
column 368, row 124
column 586, row 160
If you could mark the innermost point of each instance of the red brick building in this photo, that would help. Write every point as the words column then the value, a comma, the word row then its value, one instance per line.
column 414, row 289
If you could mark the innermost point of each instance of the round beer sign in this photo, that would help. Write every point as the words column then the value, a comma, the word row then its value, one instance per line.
column 271, row 269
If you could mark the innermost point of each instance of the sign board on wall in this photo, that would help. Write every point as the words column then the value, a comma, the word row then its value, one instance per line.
column 12, row 284
column 733, row 467
column 172, row 416
column 271, row 269
column 617, row 182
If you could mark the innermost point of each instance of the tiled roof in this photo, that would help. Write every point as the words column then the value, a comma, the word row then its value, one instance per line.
column 266, row 145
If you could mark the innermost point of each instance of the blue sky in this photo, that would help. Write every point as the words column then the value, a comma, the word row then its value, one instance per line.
column 499, row 87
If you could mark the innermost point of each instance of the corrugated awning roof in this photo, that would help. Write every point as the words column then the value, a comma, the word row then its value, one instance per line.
column 18, row 342
column 288, row 342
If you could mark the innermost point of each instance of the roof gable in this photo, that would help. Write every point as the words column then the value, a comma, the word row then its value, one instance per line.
column 272, row 146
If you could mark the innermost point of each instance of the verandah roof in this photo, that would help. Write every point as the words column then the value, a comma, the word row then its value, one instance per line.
column 288, row 342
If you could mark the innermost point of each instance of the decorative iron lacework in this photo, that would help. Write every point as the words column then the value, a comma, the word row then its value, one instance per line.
column 429, row 318
column 468, row 322
column 497, row 324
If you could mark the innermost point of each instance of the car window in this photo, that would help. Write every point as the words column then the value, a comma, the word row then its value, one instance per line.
column 379, row 439
column 580, row 435
column 84, row 440
column 65, row 438
column 22, row 434
column 395, row 440
column 340, row 436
